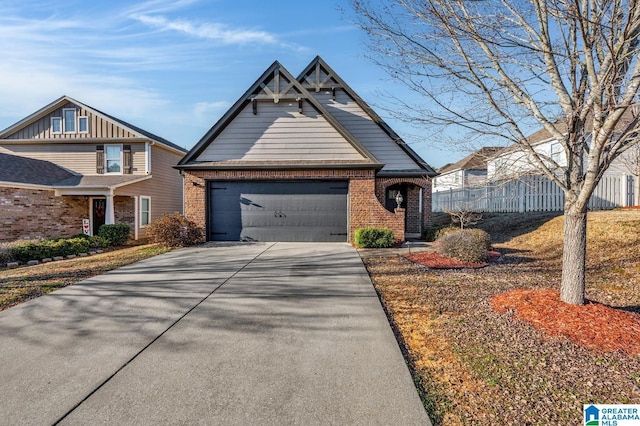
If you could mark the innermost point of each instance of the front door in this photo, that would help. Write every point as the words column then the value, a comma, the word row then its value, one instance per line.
column 98, row 211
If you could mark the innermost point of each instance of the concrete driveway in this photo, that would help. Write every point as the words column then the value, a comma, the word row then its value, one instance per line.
column 228, row 333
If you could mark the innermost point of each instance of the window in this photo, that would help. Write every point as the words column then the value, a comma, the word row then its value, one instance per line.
column 69, row 120
column 113, row 158
column 145, row 211
column 83, row 124
column 556, row 153
column 56, row 125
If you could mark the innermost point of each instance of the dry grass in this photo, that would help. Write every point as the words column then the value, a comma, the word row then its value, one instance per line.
column 22, row 284
column 480, row 366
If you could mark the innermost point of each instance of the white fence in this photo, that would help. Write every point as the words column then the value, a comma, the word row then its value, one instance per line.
column 531, row 194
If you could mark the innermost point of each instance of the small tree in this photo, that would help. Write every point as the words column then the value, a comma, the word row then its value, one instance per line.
column 464, row 218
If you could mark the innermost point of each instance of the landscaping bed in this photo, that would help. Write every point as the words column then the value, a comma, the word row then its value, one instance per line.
column 477, row 365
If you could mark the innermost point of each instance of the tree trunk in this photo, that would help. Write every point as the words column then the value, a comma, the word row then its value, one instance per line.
column 574, row 253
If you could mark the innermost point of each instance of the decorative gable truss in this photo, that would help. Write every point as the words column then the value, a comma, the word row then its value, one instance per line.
column 276, row 85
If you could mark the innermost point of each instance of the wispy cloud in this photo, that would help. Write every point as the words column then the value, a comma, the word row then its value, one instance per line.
column 212, row 31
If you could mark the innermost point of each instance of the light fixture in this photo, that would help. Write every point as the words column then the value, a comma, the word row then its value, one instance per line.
column 399, row 199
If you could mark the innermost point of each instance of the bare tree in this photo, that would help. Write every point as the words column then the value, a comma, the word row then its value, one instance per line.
column 499, row 67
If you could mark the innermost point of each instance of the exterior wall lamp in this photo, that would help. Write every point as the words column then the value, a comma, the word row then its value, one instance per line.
column 399, row 199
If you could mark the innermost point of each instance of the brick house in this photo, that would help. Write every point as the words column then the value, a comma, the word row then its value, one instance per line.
column 68, row 162
column 304, row 159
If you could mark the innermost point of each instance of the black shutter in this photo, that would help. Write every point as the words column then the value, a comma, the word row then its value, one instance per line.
column 100, row 159
column 126, row 159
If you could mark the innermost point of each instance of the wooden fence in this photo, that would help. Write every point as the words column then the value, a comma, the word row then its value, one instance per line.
column 531, row 194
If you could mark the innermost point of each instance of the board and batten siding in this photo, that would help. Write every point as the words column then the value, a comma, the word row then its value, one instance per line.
column 77, row 157
column 279, row 132
column 360, row 125
column 98, row 127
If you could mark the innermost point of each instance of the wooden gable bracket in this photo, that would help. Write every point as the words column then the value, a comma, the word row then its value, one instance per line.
column 277, row 94
column 300, row 105
column 254, row 103
column 317, row 84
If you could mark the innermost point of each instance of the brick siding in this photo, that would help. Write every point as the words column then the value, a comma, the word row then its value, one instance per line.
column 364, row 207
column 415, row 223
column 32, row 213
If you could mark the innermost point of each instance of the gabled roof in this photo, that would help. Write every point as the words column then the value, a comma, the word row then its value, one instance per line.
column 475, row 161
column 311, row 79
column 269, row 87
column 66, row 99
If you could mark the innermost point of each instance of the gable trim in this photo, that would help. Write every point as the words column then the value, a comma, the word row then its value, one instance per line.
column 32, row 118
column 253, row 95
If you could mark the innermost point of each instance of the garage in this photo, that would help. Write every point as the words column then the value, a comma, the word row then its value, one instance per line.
column 278, row 210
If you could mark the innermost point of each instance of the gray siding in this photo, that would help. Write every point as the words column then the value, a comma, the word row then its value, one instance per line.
column 360, row 124
column 279, row 132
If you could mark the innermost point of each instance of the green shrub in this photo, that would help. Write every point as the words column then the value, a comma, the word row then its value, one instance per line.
column 117, row 234
column 468, row 245
column 371, row 237
column 174, row 230
column 96, row 241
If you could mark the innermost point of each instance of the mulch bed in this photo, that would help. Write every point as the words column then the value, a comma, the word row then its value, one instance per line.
column 593, row 325
column 437, row 261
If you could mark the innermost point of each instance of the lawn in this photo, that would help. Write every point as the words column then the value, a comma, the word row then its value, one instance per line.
column 478, row 366
column 22, row 284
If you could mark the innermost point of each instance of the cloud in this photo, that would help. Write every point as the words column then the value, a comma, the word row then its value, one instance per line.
column 211, row 31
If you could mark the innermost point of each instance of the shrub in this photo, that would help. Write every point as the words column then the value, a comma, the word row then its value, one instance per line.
column 441, row 232
column 370, row 237
column 96, row 241
column 117, row 234
column 175, row 230
column 468, row 245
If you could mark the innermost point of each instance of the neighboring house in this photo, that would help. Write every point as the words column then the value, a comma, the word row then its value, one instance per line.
column 468, row 172
column 68, row 162
column 303, row 159
column 513, row 161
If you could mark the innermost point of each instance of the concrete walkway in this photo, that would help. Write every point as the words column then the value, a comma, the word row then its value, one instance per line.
column 234, row 334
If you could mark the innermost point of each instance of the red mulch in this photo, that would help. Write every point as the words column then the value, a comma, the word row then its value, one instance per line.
column 593, row 325
column 437, row 261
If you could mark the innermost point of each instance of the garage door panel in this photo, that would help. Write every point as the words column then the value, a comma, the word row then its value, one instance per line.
column 278, row 211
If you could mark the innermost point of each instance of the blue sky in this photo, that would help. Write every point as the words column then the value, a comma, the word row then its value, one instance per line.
column 173, row 67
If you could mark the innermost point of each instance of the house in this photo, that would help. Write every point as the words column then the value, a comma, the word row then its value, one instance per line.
column 468, row 172
column 304, row 159
column 68, row 162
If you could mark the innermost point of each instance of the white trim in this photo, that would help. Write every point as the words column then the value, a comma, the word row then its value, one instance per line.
column 106, row 159
column 145, row 197
column 25, row 186
column 136, row 221
column 80, row 118
column 64, row 121
column 147, row 158
column 53, row 132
